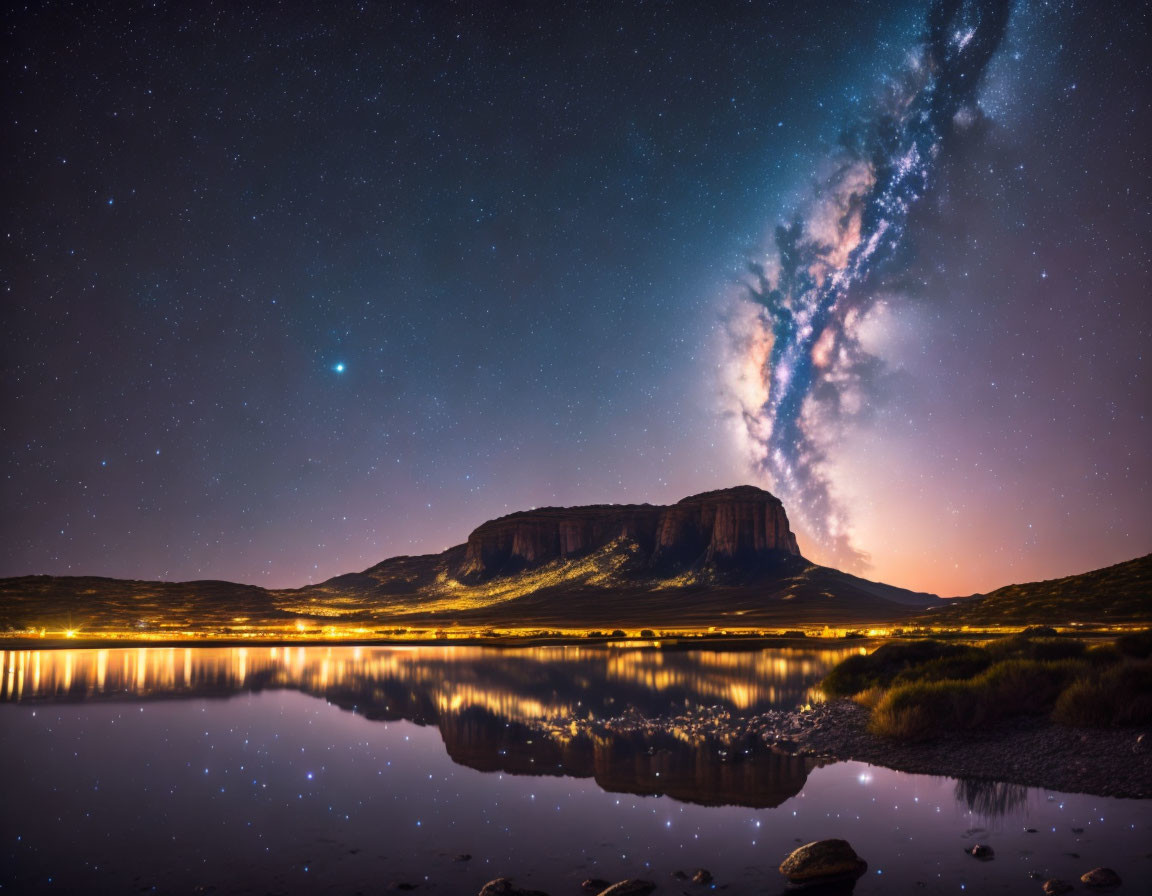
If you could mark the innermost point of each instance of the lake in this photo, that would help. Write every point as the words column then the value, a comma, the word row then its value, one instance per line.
column 353, row 769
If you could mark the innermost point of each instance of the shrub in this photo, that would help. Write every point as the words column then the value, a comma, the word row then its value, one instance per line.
column 1118, row 695
column 880, row 668
column 1136, row 644
column 964, row 664
column 1103, row 655
column 1036, row 648
column 1025, row 686
column 922, row 709
column 1084, row 703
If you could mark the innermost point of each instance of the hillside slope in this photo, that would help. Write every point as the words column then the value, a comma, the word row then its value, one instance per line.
column 1114, row 594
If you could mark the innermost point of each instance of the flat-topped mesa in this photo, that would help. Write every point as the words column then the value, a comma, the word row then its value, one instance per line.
column 732, row 526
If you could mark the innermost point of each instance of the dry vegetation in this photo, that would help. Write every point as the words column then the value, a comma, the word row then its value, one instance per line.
column 921, row 689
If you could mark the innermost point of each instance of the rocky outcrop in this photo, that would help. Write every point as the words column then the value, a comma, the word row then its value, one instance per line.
column 519, row 540
column 731, row 526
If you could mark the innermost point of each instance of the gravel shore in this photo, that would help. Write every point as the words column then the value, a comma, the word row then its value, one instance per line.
column 1030, row 751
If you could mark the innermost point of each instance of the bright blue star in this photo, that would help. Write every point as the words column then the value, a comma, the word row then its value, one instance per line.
column 338, row 366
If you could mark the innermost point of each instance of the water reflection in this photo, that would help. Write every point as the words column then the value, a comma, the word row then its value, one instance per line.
column 523, row 684
column 573, row 711
column 125, row 775
column 990, row 799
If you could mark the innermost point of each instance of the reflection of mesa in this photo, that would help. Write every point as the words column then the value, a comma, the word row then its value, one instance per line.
column 642, row 722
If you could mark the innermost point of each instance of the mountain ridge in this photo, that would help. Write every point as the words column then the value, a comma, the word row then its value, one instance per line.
column 719, row 559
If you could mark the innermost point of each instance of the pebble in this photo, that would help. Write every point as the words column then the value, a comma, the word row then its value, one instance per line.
column 702, row 876
column 630, row 887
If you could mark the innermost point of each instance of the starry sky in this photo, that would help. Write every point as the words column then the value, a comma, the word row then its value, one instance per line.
column 288, row 290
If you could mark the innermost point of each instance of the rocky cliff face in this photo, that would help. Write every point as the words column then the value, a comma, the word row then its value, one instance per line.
column 732, row 526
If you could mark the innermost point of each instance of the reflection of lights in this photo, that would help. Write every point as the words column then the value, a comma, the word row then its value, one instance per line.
column 864, row 778
column 451, row 679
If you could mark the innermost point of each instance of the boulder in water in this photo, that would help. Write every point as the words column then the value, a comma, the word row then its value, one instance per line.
column 823, row 860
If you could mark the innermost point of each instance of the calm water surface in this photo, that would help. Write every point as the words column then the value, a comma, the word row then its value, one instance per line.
column 346, row 770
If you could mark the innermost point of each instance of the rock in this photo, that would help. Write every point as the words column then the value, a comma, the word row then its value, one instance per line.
column 595, row 885
column 463, row 857
column 1100, row 877
column 1029, row 830
column 502, row 886
column 702, row 876
column 822, row 860
column 631, row 887
column 981, row 851
column 1141, row 745
column 1054, row 887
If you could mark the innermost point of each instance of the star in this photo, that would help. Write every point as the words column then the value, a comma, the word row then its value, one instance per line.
column 338, row 366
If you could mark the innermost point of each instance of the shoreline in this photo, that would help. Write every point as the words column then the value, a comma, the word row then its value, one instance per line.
column 678, row 641
column 1030, row 751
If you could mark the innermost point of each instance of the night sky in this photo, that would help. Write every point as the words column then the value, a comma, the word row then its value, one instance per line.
column 289, row 290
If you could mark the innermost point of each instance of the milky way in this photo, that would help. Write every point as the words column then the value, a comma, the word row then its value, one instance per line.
column 814, row 287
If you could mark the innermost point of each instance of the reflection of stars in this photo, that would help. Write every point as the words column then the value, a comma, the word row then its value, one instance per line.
column 338, row 366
